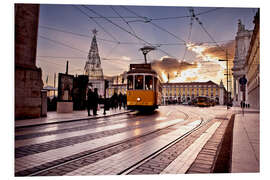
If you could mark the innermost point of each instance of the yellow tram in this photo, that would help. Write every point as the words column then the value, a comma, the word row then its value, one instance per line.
column 203, row 101
column 144, row 90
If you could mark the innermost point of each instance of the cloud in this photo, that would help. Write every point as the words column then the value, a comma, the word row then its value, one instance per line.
column 171, row 67
column 206, row 66
column 219, row 52
column 126, row 58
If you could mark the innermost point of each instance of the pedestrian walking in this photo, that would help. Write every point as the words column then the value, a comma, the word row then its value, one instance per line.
column 89, row 101
column 95, row 101
column 114, row 101
column 120, row 100
column 124, row 101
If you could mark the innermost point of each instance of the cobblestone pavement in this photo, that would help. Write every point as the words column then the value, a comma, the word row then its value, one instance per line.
column 113, row 145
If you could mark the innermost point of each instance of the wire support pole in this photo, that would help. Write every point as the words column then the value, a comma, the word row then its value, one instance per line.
column 227, row 66
column 227, row 77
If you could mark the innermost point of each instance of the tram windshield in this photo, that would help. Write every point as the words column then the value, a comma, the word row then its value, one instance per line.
column 138, row 81
column 148, row 82
column 130, row 82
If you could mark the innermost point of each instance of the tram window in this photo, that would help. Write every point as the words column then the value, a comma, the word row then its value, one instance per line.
column 148, row 82
column 139, row 82
column 130, row 82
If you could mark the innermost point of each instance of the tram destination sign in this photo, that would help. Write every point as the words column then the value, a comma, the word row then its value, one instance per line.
column 140, row 66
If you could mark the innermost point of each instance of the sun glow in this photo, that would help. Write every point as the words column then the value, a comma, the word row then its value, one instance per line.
column 208, row 66
column 164, row 77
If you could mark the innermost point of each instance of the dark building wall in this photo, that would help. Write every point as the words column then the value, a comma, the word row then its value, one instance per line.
column 80, row 84
column 28, row 81
column 26, row 30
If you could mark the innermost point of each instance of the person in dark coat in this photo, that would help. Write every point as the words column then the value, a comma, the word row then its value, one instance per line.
column 95, row 101
column 124, row 101
column 120, row 100
column 89, row 101
column 114, row 101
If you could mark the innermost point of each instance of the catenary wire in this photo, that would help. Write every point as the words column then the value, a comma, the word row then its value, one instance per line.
column 148, row 20
column 124, row 21
column 125, row 43
column 190, row 29
column 97, row 23
column 123, row 29
column 60, row 43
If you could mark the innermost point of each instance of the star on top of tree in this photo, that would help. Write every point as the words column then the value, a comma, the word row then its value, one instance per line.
column 94, row 31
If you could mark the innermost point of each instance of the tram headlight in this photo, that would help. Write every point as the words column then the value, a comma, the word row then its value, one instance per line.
column 138, row 99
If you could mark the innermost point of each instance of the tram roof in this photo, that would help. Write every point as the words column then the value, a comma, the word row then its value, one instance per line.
column 141, row 71
column 141, row 68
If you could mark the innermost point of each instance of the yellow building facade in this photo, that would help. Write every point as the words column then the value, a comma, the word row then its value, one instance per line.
column 180, row 92
column 183, row 92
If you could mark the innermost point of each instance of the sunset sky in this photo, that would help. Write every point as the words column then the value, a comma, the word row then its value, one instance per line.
column 65, row 33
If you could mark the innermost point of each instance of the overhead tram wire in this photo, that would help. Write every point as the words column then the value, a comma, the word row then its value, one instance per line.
column 66, row 57
column 60, row 43
column 83, row 35
column 157, row 19
column 180, row 17
column 59, row 57
column 124, row 21
column 200, row 23
column 63, row 31
column 148, row 20
column 123, row 29
column 190, row 29
column 209, row 35
column 113, row 48
column 211, row 10
column 98, row 25
column 122, row 43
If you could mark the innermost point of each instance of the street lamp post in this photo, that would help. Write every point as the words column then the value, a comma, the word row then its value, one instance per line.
column 227, row 75
column 145, row 50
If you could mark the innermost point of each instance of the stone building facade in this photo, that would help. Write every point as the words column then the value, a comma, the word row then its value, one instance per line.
column 28, row 81
column 187, row 91
column 242, row 41
column 181, row 92
column 253, row 66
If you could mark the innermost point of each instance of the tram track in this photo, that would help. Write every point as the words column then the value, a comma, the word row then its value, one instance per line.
column 67, row 122
column 172, row 143
column 100, row 150
column 87, row 131
column 70, row 128
column 104, row 149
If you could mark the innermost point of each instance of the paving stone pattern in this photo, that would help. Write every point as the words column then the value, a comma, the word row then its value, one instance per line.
column 160, row 162
column 80, row 126
column 119, row 162
column 42, row 147
column 96, row 155
column 205, row 161
column 69, row 157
